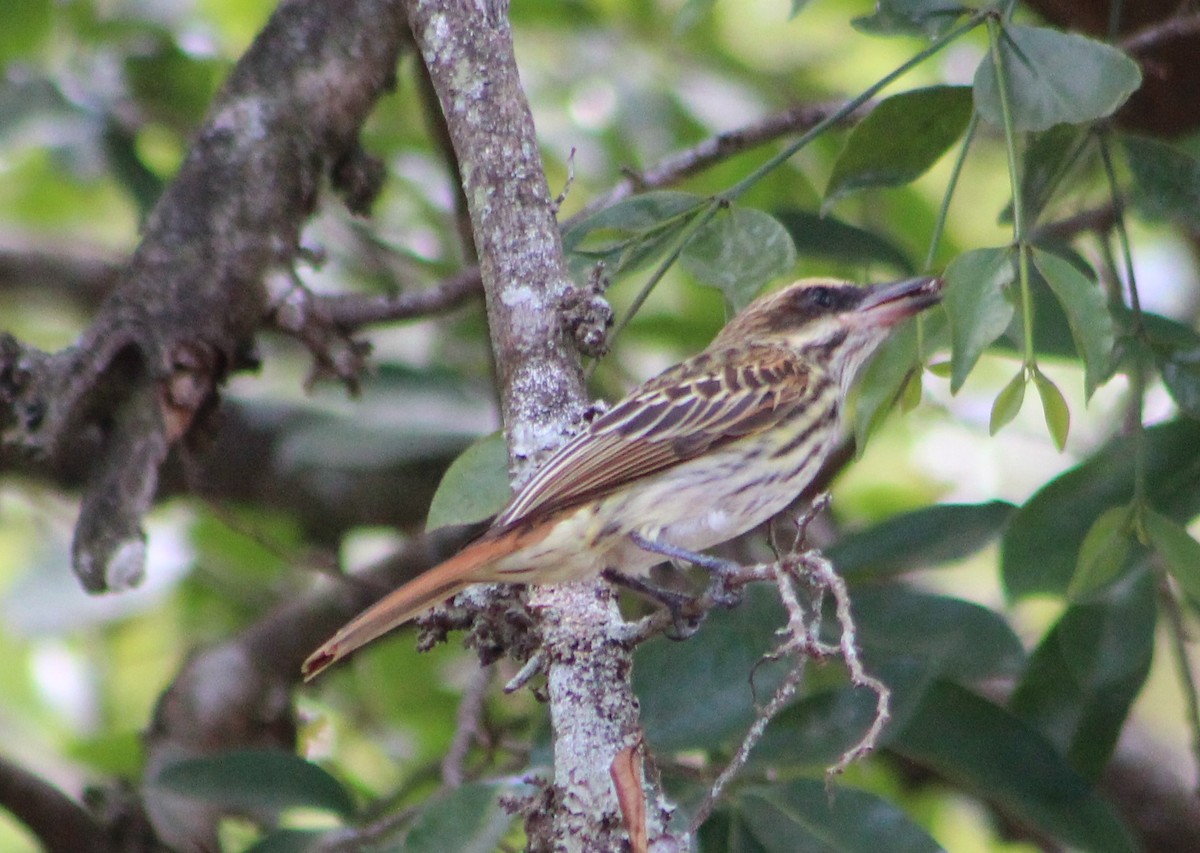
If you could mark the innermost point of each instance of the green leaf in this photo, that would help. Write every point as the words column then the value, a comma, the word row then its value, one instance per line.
column 900, row 140
column 254, row 780
column 925, row 537
column 1054, row 78
column 468, row 819
column 1008, row 402
column 635, row 215
column 1103, row 552
column 1051, row 331
column 725, row 832
column 632, row 232
column 910, row 394
column 976, row 305
column 894, row 366
column 1048, row 159
column 738, row 251
column 1179, row 551
column 815, row 731
column 287, row 841
column 1176, row 349
column 881, row 382
column 930, row 18
column 713, row 669
column 908, row 639
column 1087, row 314
column 27, row 23
column 1054, row 409
column 1040, row 547
column 474, row 487
column 1166, row 180
column 830, row 238
column 1004, row 761
column 1181, row 374
column 801, row 815
column 1086, row 673
column 950, row 638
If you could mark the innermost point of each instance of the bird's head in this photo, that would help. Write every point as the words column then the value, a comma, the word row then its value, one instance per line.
column 835, row 324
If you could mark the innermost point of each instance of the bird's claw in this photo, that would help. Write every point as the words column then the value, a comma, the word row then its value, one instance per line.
column 686, row 611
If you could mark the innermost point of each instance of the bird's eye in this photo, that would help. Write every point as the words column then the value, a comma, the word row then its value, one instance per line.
column 821, row 297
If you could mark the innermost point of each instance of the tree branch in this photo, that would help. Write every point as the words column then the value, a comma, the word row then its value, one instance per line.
column 1161, row 31
column 682, row 164
column 188, row 303
column 237, row 694
column 77, row 275
column 309, row 316
column 467, row 47
column 60, row 824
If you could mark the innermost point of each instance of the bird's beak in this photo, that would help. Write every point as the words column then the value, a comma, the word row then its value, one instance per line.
column 888, row 304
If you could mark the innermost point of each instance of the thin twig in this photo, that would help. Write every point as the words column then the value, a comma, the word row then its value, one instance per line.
column 675, row 167
column 466, row 727
column 1177, row 634
column 802, row 641
column 822, row 569
column 1161, row 31
column 534, row 666
column 562, row 195
column 351, row 311
column 59, row 823
column 1096, row 220
column 783, row 694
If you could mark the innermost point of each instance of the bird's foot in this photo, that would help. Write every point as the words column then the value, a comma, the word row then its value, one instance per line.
column 685, row 610
column 722, row 590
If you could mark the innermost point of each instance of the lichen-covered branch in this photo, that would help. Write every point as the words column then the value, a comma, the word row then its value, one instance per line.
column 467, row 48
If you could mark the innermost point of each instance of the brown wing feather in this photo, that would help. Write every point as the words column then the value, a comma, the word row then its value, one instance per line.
column 715, row 397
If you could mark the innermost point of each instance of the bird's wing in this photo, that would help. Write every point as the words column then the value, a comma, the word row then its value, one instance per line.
column 716, row 397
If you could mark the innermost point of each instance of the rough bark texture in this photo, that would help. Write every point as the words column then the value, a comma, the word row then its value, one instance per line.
column 186, row 306
column 467, row 47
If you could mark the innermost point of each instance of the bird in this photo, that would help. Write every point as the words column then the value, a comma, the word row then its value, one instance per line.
column 695, row 456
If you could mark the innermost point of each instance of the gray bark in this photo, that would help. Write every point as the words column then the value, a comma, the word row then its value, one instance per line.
column 467, row 47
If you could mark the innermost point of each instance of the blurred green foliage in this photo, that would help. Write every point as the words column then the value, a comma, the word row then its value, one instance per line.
column 97, row 102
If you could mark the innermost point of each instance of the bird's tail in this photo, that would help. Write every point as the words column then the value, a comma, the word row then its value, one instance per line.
column 398, row 606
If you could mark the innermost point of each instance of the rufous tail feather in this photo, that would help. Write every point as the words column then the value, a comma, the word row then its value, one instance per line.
column 398, row 606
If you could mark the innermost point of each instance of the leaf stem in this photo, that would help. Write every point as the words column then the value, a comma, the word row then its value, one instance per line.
column 939, row 227
column 1137, row 374
column 700, row 219
column 1177, row 633
column 738, row 189
column 995, row 33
